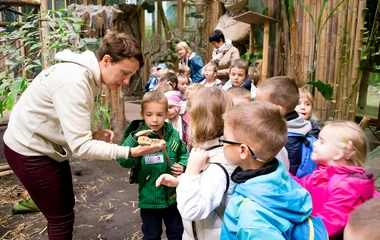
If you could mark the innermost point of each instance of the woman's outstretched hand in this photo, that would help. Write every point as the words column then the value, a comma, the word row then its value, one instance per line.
column 167, row 180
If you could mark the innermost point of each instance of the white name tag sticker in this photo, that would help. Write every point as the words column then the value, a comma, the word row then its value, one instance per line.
column 154, row 158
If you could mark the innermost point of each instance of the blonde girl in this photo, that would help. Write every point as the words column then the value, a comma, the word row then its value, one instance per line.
column 339, row 184
column 192, row 60
column 305, row 108
column 203, row 195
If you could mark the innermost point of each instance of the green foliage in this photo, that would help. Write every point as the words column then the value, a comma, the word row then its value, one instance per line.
column 259, row 7
column 102, row 114
column 25, row 54
column 374, row 153
column 318, row 27
column 324, row 88
column 371, row 52
column 252, row 57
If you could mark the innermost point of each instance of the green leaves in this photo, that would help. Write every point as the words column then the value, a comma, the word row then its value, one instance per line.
column 23, row 66
column 102, row 115
column 324, row 88
column 374, row 154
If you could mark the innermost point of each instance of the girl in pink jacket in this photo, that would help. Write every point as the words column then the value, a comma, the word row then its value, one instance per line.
column 339, row 184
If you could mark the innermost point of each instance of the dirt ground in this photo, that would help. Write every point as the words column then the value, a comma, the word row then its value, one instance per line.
column 105, row 208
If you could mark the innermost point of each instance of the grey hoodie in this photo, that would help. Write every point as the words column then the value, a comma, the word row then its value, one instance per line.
column 53, row 116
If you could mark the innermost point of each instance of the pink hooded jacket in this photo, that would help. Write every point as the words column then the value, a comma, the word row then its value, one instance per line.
column 333, row 202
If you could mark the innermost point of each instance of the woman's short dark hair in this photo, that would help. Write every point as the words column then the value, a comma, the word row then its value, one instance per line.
column 119, row 46
column 216, row 36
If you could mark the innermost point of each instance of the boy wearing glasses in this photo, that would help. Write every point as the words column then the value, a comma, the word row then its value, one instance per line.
column 266, row 201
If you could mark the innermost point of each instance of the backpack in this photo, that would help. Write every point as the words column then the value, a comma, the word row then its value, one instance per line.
column 306, row 165
column 312, row 228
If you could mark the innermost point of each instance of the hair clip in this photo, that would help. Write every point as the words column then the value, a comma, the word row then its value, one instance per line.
column 349, row 146
column 349, row 149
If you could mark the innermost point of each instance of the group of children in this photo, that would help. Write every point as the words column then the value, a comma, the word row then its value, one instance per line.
column 240, row 179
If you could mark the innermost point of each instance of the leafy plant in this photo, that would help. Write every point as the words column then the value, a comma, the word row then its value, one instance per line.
column 25, row 56
column 318, row 27
column 251, row 57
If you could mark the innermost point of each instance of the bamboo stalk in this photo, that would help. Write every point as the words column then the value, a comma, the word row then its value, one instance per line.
column 265, row 51
column 340, row 102
column 347, row 59
column 356, row 55
column 294, row 50
column 332, row 56
column 277, row 60
column 277, row 54
column 306, row 43
column 322, row 61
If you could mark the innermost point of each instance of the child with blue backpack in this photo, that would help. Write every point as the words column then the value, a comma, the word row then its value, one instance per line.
column 339, row 184
column 266, row 203
column 283, row 92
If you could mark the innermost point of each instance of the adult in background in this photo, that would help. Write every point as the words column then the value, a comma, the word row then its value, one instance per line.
column 52, row 121
column 223, row 55
column 192, row 60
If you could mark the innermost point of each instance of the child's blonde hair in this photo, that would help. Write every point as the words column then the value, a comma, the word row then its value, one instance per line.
column 192, row 89
column 206, row 109
column 260, row 126
column 350, row 138
column 156, row 97
column 183, row 70
column 185, row 46
column 309, row 97
column 307, row 94
column 239, row 94
column 164, row 87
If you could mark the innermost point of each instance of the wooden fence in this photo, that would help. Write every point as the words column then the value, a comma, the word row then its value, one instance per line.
column 337, row 56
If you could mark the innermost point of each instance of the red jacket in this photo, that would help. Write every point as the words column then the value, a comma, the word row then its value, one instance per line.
column 334, row 201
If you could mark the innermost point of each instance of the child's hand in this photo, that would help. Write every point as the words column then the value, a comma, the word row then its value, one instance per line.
column 177, row 169
column 103, row 135
column 167, row 180
column 198, row 160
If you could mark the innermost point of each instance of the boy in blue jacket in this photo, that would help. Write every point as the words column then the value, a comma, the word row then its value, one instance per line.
column 266, row 202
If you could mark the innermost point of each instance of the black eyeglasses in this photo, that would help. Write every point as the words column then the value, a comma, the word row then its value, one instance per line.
column 223, row 140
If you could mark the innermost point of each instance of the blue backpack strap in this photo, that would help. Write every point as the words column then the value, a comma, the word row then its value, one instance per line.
column 311, row 228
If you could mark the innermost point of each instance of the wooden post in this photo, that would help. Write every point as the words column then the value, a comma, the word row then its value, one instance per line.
column 265, row 51
column 44, row 31
column 180, row 14
column 159, row 23
column 146, row 67
column 164, row 19
column 252, row 39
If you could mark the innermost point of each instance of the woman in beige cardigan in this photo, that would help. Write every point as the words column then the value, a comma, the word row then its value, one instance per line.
column 223, row 55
